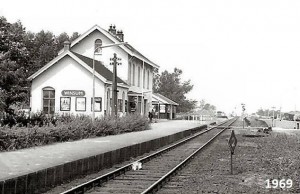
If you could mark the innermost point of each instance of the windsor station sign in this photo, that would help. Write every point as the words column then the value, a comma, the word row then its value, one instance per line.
column 73, row 93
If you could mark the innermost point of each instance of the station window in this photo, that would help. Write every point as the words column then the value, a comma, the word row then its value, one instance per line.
column 144, row 74
column 98, row 43
column 120, row 105
column 98, row 104
column 132, row 103
column 139, row 76
column 133, row 74
column 80, row 104
column 48, row 100
column 148, row 80
column 129, row 73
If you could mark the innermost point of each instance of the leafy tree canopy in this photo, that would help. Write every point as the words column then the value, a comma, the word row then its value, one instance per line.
column 14, row 58
column 21, row 54
column 206, row 106
column 171, row 86
column 268, row 112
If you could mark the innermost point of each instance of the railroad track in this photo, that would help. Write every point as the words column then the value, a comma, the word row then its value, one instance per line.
column 156, row 169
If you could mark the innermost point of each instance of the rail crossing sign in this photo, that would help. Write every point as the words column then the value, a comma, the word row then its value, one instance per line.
column 232, row 142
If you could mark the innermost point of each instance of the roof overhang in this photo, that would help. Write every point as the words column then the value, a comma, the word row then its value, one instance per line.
column 131, row 93
column 162, row 99
column 121, row 85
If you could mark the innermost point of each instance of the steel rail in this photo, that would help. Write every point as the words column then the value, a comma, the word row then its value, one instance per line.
column 159, row 183
column 82, row 188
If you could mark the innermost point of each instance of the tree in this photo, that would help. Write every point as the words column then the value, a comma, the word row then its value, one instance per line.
column 209, row 107
column 60, row 41
column 268, row 112
column 260, row 112
column 44, row 46
column 171, row 86
column 14, row 58
column 21, row 54
column 203, row 105
column 74, row 36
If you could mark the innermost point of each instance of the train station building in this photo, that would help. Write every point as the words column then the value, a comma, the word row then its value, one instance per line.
column 65, row 84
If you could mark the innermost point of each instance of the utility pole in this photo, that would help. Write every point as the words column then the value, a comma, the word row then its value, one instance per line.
column 114, row 62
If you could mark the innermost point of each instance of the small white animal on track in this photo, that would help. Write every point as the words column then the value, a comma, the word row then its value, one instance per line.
column 136, row 166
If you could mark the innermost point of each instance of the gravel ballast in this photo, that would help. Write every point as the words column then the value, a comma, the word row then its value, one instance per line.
column 256, row 159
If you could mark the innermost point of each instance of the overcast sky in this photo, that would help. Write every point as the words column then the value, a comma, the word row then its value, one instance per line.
column 233, row 51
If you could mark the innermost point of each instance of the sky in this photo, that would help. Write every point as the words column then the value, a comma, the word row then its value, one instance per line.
column 232, row 51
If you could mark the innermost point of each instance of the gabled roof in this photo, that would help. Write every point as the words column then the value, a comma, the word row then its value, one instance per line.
column 162, row 99
column 99, row 68
column 127, row 48
column 102, row 72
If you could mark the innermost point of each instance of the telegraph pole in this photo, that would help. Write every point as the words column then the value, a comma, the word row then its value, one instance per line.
column 114, row 62
column 99, row 48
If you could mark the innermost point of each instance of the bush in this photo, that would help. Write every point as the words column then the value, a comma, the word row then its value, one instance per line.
column 67, row 128
column 247, row 121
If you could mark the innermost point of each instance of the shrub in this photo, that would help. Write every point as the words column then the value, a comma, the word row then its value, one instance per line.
column 67, row 128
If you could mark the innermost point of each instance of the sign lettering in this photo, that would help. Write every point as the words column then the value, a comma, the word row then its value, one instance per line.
column 73, row 93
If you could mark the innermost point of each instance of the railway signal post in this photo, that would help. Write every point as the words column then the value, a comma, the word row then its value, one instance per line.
column 243, row 114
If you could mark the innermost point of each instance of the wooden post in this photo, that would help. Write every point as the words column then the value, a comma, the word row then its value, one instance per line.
column 231, row 163
column 232, row 144
column 114, row 62
column 115, row 90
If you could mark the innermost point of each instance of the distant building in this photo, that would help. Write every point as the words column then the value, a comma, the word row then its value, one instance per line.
column 204, row 115
column 291, row 116
column 163, row 107
column 64, row 85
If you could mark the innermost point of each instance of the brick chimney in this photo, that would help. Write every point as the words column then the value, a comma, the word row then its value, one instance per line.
column 67, row 45
column 120, row 35
column 112, row 30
